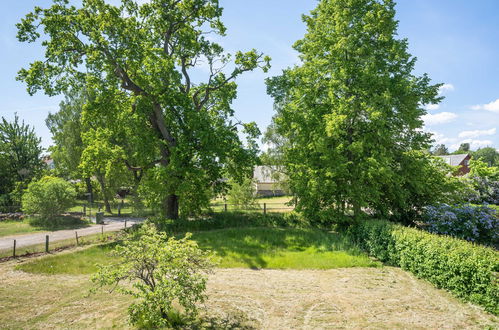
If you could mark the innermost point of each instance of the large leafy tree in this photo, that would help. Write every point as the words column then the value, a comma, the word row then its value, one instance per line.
column 66, row 128
column 20, row 159
column 350, row 114
column 140, row 60
column 440, row 150
column 488, row 154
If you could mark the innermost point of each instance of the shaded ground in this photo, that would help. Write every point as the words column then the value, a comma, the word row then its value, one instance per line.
column 263, row 299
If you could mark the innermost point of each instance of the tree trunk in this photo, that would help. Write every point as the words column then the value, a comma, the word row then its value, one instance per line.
column 90, row 191
column 171, row 207
column 356, row 211
column 107, row 205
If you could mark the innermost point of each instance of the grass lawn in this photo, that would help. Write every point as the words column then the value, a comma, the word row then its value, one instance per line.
column 255, row 248
column 8, row 228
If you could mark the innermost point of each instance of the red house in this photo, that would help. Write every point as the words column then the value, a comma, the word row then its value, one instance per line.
column 461, row 160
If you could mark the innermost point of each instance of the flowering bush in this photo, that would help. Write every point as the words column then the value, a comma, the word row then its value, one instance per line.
column 485, row 191
column 473, row 223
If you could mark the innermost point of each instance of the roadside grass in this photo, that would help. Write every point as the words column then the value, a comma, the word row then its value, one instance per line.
column 30, row 225
column 62, row 244
column 255, row 248
column 16, row 227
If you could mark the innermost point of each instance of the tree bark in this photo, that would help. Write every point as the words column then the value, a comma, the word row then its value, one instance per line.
column 171, row 207
column 90, row 191
column 102, row 183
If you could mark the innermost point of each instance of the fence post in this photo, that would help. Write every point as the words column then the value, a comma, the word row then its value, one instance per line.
column 225, row 207
column 46, row 243
column 76, row 234
column 84, row 210
column 14, row 252
column 264, row 208
column 125, row 223
column 102, row 230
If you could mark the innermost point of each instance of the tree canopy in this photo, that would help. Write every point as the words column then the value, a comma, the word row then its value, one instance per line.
column 144, row 64
column 350, row 115
column 20, row 159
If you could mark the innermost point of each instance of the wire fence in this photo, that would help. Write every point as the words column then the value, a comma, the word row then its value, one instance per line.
column 270, row 207
column 124, row 208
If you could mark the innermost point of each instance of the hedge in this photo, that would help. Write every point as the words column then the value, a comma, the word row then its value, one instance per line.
column 468, row 270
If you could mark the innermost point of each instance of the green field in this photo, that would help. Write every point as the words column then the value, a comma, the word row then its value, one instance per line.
column 30, row 225
column 255, row 248
column 8, row 228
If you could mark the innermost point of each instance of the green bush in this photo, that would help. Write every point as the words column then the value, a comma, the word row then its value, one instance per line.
column 158, row 271
column 231, row 220
column 48, row 197
column 468, row 270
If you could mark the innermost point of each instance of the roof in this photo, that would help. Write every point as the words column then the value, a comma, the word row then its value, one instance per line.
column 264, row 174
column 454, row 160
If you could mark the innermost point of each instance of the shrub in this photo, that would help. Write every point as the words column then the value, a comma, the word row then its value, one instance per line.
column 48, row 197
column 473, row 223
column 160, row 270
column 467, row 270
column 232, row 220
column 243, row 194
column 485, row 182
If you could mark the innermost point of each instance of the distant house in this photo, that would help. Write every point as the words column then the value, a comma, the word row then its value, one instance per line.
column 461, row 160
column 269, row 180
column 49, row 162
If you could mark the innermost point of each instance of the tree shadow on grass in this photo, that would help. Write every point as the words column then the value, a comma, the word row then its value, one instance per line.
column 250, row 246
column 59, row 223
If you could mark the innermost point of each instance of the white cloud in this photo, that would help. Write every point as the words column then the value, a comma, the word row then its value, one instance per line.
column 432, row 106
column 492, row 106
column 442, row 139
column 445, row 88
column 439, row 118
column 474, row 144
column 477, row 133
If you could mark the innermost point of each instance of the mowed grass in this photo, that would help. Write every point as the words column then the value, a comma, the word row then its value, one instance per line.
column 31, row 225
column 8, row 228
column 279, row 248
column 255, row 248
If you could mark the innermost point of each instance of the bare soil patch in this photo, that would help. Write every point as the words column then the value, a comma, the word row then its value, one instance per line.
column 262, row 299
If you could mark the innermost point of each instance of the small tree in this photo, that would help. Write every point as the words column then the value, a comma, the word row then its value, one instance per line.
column 162, row 270
column 48, row 197
column 243, row 194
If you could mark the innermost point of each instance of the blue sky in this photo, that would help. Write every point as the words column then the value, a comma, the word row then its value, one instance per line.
column 456, row 42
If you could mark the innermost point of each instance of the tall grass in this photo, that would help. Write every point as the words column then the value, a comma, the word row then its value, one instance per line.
column 275, row 248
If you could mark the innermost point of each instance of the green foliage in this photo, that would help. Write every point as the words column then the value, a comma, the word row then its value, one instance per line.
column 484, row 181
column 232, row 220
column 147, row 108
column 66, row 130
column 350, row 116
column 159, row 271
column 489, row 155
column 48, row 197
column 440, row 150
column 479, row 168
column 20, row 159
column 252, row 247
column 243, row 194
column 467, row 270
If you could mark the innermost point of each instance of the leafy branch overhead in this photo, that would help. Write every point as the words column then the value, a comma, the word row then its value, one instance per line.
column 146, row 62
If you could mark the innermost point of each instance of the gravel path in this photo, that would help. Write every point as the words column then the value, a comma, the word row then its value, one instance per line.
column 110, row 224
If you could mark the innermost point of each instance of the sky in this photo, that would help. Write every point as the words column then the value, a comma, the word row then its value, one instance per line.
column 456, row 43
